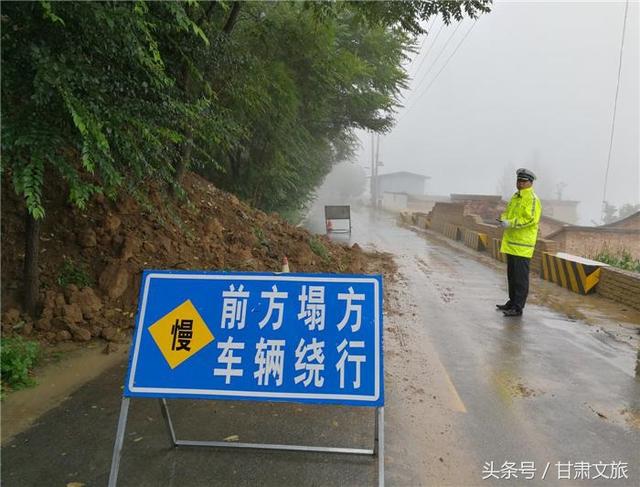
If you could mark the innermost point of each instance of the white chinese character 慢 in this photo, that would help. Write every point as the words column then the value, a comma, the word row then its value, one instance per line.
column 356, row 308
column 311, row 371
column 234, row 307
column 270, row 361
column 312, row 307
column 273, row 305
column 227, row 357
column 357, row 359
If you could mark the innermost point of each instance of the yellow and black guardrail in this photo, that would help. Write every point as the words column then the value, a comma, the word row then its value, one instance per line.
column 451, row 231
column 575, row 273
column 495, row 250
column 474, row 240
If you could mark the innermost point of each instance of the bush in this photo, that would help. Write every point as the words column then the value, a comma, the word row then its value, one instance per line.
column 73, row 273
column 319, row 248
column 17, row 357
column 622, row 260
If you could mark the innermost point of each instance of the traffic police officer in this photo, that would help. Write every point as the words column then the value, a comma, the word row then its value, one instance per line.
column 520, row 221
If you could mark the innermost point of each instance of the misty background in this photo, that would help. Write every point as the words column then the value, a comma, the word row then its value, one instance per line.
column 531, row 85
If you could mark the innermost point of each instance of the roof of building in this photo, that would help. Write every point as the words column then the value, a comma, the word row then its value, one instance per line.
column 550, row 219
column 602, row 229
column 403, row 173
column 475, row 197
column 618, row 222
column 560, row 202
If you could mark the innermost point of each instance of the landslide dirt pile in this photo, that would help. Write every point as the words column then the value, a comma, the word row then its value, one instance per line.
column 91, row 260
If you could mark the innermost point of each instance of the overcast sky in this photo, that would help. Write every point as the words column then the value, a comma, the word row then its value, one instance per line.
column 533, row 84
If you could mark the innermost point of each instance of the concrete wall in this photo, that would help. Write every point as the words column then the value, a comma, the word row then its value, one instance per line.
column 621, row 286
column 588, row 241
column 487, row 207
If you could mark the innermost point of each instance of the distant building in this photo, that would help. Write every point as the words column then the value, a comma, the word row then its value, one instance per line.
column 616, row 237
column 563, row 210
column 401, row 182
column 631, row 222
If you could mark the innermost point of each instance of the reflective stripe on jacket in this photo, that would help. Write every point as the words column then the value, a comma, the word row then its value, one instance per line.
column 523, row 214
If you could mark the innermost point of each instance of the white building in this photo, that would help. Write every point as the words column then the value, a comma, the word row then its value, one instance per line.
column 401, row 182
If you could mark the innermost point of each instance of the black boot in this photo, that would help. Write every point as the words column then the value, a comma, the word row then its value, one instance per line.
column 504, row 307
column 513, row 312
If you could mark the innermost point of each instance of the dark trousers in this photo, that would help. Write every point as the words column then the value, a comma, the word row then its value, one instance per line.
column 518, row 278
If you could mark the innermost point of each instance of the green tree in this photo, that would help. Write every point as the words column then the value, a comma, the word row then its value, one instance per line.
column 86, row 98
column 261, row 97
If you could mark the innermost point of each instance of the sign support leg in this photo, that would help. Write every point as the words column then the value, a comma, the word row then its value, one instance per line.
column 380, row 444
column 117, row 447
column 167, row 418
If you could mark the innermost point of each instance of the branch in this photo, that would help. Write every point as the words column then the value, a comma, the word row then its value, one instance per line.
column 228, row 26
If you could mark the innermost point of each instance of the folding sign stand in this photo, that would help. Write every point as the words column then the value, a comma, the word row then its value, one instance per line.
column 333, row 212
column 179, row 312
column 378, row 446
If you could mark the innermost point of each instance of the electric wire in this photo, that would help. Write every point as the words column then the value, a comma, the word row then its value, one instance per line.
column 440, row 71
column 423, row 43
column 615, row 107
column 430, row 48
column 444, row 47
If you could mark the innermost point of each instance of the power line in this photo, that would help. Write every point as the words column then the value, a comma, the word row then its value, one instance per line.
column 424, row 76
column 615, row 106
column 430, row 47
column 423, row 42
column 441, row 69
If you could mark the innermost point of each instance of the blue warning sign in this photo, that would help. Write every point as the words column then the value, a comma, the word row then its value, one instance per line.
column 259, row 336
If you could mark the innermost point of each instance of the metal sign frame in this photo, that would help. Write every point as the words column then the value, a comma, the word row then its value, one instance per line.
column 376, row 450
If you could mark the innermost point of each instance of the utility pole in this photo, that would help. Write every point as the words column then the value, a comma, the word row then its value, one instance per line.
column 373, row 172
column 376, row 169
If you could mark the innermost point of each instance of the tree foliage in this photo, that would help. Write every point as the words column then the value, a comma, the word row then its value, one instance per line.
column 260, row 97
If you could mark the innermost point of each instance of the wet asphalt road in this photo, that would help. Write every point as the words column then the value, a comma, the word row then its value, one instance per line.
column 541, row 389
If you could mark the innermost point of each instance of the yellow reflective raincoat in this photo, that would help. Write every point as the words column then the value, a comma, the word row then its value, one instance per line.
column 523, row 214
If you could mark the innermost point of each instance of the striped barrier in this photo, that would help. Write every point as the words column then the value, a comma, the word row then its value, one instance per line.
column 451, row 231
column 495, row 250
column 575, row 273
column 422, row 221
column 474, row 240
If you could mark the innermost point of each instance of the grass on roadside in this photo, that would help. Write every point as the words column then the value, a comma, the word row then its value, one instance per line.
column 73, row 272
column 17, row 358
column 319, row 249
column 621, row 260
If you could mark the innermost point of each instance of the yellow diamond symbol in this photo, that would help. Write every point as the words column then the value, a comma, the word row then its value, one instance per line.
column 180, row 334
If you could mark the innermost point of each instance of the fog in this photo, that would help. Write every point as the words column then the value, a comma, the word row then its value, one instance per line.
column 532, row 85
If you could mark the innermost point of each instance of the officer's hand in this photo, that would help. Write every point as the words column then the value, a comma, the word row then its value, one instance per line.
column 505, row 223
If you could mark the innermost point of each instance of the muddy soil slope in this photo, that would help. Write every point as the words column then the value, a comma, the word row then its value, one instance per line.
column 91, row 260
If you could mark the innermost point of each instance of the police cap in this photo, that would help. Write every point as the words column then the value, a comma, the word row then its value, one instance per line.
column 523, row 173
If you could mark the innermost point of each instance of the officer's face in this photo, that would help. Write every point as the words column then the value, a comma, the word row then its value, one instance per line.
column 523, row 184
